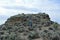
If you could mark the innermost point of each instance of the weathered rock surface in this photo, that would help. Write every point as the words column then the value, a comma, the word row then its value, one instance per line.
column 30, row 27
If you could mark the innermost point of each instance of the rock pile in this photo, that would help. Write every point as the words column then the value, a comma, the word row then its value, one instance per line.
column 30, row 27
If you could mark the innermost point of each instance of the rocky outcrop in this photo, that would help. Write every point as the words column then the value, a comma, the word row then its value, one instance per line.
column 30, row 27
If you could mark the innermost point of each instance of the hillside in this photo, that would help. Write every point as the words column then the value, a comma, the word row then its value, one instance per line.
column 30, row 27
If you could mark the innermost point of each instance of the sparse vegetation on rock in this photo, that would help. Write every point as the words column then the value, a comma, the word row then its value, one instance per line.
column 30, row 27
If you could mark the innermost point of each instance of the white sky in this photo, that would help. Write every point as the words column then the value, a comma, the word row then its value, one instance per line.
column 13, row 7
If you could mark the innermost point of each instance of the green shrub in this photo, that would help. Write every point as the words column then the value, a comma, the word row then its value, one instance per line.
column 55, row 25
column 33, row 35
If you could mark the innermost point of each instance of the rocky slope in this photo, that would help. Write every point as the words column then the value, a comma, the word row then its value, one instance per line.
column 30, row 27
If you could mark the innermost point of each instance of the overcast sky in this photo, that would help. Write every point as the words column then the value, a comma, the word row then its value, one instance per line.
column 13, row 7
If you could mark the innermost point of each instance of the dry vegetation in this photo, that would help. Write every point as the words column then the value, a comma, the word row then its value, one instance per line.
column 30, row 27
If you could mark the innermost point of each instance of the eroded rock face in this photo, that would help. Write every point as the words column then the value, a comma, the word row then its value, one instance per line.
column 30, row 27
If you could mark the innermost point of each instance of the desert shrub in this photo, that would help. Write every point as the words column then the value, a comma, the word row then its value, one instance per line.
column 25, row 33
column 55, row 38
column 4, row 37
column 1, row 38
column 51, row 28
column 55, row 25
column 45, row 31
column 43, row 34
column 9, row 27
column 33, row 35
column 12, row 36
column 21, row 29
column 30, row 29
column 1, row 32
column 4, row 28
